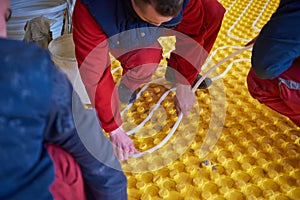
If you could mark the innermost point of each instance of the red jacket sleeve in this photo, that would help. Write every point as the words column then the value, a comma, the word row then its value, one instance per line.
column 92, row 54
column 195, row 37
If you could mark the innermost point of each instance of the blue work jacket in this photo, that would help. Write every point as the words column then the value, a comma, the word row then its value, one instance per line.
column 38, row 106
column 278, row 43
column 123, row 26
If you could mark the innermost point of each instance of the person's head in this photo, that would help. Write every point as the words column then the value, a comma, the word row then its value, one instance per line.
column 157, row 12
column 5, row 14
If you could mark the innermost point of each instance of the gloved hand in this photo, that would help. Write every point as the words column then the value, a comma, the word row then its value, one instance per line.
column 184, row 99
column 122, row 144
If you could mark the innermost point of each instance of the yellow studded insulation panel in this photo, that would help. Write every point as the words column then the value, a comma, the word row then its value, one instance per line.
column 230, row 146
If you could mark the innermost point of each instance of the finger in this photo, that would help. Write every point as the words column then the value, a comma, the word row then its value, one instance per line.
column 185, row 112
column 132, row 151
column 130, row 154
column 126, row 153
column 177, row 108
column 120, row 154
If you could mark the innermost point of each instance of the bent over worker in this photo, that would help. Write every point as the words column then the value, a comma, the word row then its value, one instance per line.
column 129, row 29
column 274, row 79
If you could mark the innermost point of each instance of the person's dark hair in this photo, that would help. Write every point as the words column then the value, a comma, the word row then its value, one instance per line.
column 163, row 7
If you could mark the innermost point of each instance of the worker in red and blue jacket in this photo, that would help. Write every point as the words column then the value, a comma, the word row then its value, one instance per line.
column 274, row 78
column 51, row 147
column 129, row 29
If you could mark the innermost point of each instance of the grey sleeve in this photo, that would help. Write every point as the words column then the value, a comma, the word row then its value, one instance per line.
column 77, row 130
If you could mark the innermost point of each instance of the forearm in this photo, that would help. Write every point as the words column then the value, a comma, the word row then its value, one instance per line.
column 92, row 54
column 195, row 40
column 91, row 49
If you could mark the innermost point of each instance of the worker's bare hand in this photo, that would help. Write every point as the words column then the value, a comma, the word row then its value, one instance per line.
column 122, row 144
column 184, row 99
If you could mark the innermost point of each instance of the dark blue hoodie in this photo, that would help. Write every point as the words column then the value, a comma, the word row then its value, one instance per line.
column 278, row 43
column 37, row 106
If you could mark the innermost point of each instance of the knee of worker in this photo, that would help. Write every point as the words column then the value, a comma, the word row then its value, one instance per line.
column 114, row 177
column 255, row 87
column 251, row 84
column 139, row 75
column 260, row 89
column 109, row 181
column 289, row 91
column 111, row 186
column 296, row 121
column 68, row 183
column 141, row 57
